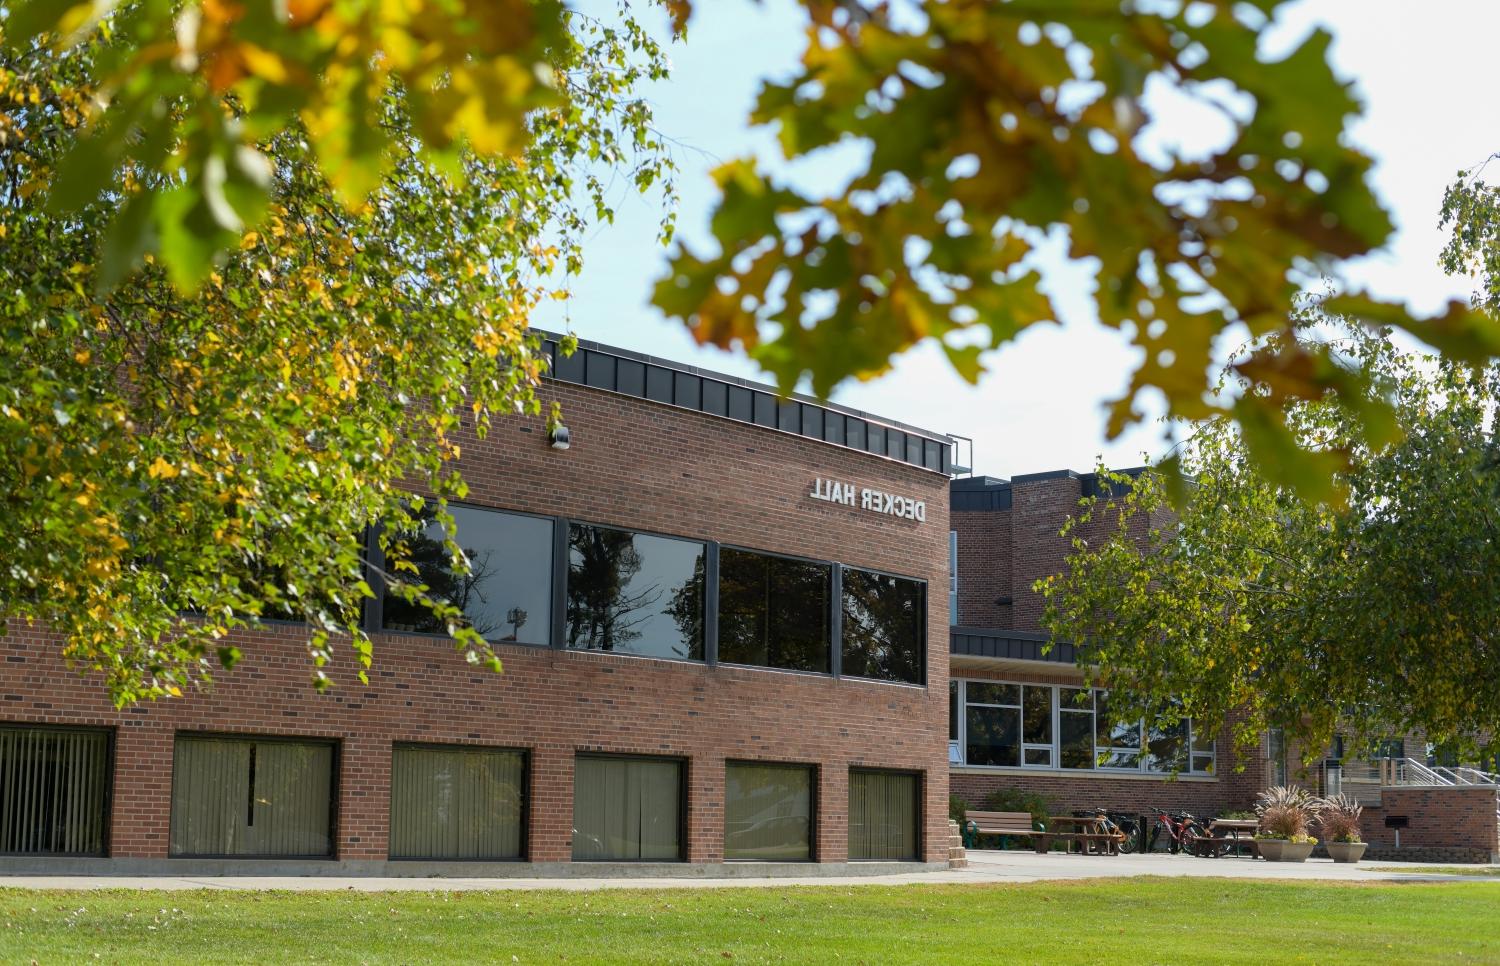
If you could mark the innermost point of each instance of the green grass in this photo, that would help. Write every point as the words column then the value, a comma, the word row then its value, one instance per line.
column 1471, row 870
column 1136, row 921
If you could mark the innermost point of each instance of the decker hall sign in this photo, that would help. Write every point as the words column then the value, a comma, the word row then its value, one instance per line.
column 876, row 501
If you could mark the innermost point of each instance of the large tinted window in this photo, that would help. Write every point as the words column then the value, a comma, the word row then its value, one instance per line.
column 251, row 796
column 883, row 810
column 993, row 724
column 885, row 622
column 456, row 803
column 634, row 594
column 53, row 783
column 774, row 612
column 627, row 808
column 507, row 593
column 767, row 812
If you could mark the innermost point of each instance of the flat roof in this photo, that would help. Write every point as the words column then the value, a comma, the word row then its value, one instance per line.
column 994, row 492
column 718, row 394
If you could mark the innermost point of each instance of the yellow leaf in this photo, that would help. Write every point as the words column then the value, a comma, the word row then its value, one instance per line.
column 161, row 469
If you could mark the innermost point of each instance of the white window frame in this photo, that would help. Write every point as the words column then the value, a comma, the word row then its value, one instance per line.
column 1054, row 749
column 953, row 577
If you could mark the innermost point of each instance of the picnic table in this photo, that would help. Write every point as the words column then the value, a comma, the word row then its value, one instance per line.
column 1087, row 831
column 1241, row 831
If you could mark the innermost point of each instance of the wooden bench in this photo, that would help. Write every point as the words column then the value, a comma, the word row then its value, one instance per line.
column 1017, row 824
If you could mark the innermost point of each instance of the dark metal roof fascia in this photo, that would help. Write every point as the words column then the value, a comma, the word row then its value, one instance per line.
column 1008, row 645
column 661, row 380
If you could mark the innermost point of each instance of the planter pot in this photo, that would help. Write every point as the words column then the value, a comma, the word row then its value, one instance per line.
column 1283, row 850
column 1296, row 851
column 1346, row 851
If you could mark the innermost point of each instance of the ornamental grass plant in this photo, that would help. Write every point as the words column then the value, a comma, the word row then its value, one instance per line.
column 1339, row 819
column 1287, row 812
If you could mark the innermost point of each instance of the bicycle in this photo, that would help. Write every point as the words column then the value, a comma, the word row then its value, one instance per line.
column 1181, row 828
column 1119, row 824
column 1187, row 834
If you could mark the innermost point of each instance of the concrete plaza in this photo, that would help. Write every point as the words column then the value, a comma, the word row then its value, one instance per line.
column 985, row 867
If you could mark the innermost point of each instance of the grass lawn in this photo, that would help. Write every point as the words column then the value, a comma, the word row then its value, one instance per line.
column 1472, row 870
column 1104, row 921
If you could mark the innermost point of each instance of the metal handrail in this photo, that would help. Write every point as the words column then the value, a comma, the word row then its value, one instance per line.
column 1409, row 771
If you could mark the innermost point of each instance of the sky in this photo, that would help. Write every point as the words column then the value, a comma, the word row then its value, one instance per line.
column 1427, row 78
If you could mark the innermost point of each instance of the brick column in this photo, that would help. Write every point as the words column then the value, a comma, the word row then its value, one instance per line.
column 142, row 807
column 364, row 806
column 551, row 803
column 833, row 811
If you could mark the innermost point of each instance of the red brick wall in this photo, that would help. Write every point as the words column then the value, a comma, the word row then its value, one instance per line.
column 635, row 464
column 984, row 573
column 1445, row 817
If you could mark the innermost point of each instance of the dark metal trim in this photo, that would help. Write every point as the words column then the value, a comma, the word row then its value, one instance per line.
column 1009, row 645
column 836, row 624
column 525, row 817
column 684, row 781
column 107, row 819
column 815, row 780
column 711, row 604
column 661, row 380
column 335, row 787
column 560, row 561
column 921, row 777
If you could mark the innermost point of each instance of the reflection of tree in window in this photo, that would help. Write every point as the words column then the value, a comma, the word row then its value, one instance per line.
column 773, row 611
column 504, row 593
column 884, row 620
column 634, row 593
column 435, row 568
column 1166, row 746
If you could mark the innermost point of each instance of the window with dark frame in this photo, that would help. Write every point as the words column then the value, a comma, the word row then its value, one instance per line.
column 507, row 593
column 627, row 809
column 768, row 812
column 884, row 811
column 54, row 790
column 457, row 802
column 635, row 593
column 251, row 796
column 884, row 626
column 774, row 611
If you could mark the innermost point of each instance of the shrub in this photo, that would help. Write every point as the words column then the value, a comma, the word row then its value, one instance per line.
column 1017, row 800
column 1286, row 811
column 1339, row 819
column 958, row 810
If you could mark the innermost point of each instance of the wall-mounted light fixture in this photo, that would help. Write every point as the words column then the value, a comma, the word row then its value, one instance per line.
column 558, row 437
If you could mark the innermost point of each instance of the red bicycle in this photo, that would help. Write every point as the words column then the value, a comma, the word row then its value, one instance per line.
column 1186, row 834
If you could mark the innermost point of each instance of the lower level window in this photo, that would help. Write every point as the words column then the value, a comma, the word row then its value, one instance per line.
column 251, row 797
column 456, row 803
column 626, row 809
column 1008, row 724
column 767, row 812
column 53, row 788
column 883, row 810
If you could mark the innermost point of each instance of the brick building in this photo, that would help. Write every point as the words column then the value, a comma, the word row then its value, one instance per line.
column 1020, row 718
column 726, row 646
column 724, row 639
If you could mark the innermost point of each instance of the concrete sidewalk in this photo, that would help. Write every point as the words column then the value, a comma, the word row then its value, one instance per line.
column 984, row 867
